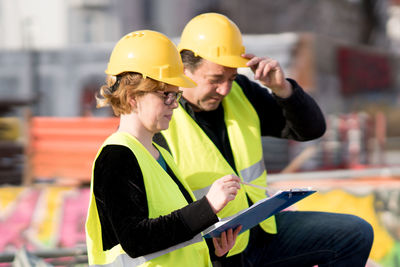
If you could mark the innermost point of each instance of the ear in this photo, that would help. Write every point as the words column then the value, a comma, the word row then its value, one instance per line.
column 187, row 72
column 133, row 103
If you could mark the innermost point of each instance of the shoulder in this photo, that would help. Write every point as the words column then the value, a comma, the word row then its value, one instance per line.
column 118, row 162
column 251, row 88
column 254, row 92
column 116, row 159
column 113, row 153
column 243, row 81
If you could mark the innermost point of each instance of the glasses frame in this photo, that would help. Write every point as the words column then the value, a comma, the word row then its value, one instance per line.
column 170, row 96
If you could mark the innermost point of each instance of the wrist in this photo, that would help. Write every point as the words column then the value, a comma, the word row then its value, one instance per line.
column 211, row 205
column 285, row 91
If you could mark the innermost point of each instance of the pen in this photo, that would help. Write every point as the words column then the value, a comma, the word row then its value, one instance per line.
column 253, row 185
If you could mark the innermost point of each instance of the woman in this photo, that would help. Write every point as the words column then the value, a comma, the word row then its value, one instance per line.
column 140, row 210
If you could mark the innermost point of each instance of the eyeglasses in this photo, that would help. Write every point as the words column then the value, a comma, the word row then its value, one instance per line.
column 170, row 97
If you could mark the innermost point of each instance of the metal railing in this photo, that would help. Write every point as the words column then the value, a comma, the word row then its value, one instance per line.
column 49, row 257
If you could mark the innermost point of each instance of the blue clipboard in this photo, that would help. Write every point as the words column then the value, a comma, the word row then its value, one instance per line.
column 258, row 212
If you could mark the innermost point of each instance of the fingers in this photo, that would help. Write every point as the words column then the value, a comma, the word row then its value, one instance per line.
column 231, row 177
column 222, row 191
column 269, row 73
column 231, row 185
column 261, row 66
column 248, row 56
column 226, row 241
column 231, row 236
column 254, row 64
column 223, row 240
column 220, row 245
column 231, row 181
column 237, row 231
column 262, row 69
column 230, row 239
column 217, row 247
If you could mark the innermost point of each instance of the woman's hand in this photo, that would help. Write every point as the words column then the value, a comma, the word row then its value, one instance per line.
column 225, row 242
column 222, row 191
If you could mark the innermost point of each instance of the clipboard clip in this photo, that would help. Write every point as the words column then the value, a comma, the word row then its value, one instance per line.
column 301, row 190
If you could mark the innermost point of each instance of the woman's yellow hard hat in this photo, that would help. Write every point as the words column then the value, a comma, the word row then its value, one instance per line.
column 150, row 53
column 216, row 38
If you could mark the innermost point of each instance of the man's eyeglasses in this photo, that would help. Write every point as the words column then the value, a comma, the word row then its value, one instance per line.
column 169, row 97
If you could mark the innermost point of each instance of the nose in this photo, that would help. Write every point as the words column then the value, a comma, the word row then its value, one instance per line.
column 224, row 88
column 174, row 104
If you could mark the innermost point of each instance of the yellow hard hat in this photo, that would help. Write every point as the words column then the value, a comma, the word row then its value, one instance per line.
column 151, row 54
column 216, row 38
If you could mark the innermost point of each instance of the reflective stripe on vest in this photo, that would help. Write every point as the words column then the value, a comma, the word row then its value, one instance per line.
column 249, row 174
column 254, row 171
column 125, row 260
column 163, row 197
column 201, row 163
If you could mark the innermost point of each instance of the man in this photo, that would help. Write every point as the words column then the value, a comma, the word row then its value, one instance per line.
column 217, row 130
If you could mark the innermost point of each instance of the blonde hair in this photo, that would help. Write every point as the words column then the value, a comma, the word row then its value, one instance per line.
column 118, row 90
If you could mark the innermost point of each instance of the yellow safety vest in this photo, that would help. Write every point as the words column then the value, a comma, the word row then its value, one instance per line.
column 201, row 163
column 163, row 197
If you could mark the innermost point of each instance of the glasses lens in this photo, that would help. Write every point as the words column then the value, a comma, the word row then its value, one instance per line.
column 170, row 97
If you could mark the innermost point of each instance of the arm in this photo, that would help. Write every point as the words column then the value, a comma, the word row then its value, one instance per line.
column 122, row 204
column 296, row 117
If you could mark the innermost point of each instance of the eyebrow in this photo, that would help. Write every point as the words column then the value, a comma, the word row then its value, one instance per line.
column 219, row 76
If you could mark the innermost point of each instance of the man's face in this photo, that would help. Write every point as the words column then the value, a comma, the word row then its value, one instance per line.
column 214, row 82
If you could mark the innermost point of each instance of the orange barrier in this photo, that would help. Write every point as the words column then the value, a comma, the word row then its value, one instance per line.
column 63, row 149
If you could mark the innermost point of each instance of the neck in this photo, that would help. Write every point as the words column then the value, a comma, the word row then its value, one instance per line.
column 129, row 124
column 189, row 104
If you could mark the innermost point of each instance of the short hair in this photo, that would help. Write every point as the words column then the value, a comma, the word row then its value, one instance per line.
column 190, row 60
column 119, row 89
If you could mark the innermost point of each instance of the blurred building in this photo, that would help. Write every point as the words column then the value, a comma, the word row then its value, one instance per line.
column 393, row 25
column 345, row 53
column 55, row 51
column 354, row 21
column 56, row 24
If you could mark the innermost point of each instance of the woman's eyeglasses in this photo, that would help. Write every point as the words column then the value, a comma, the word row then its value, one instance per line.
column 169, row 97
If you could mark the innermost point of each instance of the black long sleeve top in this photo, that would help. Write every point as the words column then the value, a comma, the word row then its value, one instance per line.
column 123, row 211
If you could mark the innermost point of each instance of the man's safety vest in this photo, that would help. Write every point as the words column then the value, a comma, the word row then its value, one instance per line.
column 163, row 197
column 201, row 163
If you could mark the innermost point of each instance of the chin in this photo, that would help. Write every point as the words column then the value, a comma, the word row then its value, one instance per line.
column 164, row 127
column 210, row 107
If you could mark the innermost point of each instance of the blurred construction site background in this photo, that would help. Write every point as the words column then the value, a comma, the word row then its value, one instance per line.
column 53, row 53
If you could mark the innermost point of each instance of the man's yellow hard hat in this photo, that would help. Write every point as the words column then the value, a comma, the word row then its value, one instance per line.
column 216, row 38
column 150, row 53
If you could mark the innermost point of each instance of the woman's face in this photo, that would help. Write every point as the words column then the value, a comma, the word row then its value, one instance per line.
column 154, row 109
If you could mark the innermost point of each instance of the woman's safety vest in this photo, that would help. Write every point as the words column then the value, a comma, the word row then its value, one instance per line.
column 163, row 197
column 201, row 163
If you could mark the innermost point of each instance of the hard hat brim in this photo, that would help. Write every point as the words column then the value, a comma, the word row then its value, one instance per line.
column 181, row 81
column 230, row 61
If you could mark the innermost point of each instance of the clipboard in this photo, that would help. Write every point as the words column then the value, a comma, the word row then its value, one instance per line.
column 258, row 212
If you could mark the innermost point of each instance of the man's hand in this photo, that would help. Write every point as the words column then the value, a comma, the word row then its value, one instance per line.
column 270, row 74
column 225, row 242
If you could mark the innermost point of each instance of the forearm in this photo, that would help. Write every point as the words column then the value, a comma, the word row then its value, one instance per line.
column 296, row 117
column 141, row 235
column 304, row 119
